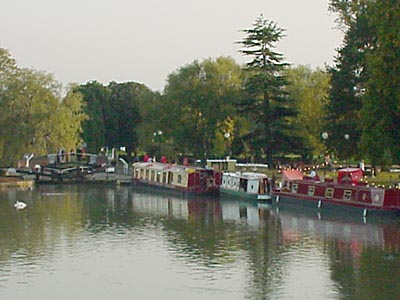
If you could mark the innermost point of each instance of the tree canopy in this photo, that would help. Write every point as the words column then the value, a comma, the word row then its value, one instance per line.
column 35, row 117
column 265, row 99
column 199, row 99
column 364, row 101
column 264, row 109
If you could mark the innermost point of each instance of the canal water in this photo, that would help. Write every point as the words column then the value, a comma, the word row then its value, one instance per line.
column 99, row 242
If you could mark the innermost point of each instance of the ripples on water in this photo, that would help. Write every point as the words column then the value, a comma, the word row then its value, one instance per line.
column 84, row 242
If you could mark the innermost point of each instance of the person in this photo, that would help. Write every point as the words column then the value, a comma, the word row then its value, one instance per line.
column 362, row 166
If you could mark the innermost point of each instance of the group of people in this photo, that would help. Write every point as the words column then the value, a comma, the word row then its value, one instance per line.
column 147, row 158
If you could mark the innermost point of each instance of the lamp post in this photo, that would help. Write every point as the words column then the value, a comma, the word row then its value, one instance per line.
column 157, row 138
column 227, row 135
column 324, row 136
column 347, row 137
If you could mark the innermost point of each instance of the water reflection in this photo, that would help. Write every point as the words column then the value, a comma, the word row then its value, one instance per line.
column 100, row 238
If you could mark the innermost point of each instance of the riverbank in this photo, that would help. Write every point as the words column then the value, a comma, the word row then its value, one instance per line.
column 19, row 182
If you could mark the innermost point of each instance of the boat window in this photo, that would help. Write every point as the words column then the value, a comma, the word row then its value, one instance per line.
column 141, row 173
column 147, row 174
column 158, row 176
column 311, row 190
column 243, row 184
column 137, row 172
column 347, row 195
column 164, row 177
column 294, row 187
column 329, row 193
column 152, row 175
column 179, row 179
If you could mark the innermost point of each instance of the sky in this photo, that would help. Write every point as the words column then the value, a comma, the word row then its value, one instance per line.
column 145, row 41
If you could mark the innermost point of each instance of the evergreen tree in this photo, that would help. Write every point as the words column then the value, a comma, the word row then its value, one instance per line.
column 265, row 100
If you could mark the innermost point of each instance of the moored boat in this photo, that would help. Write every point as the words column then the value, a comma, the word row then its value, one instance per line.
column 347, row 194
column 249, row 185
column 186, row 179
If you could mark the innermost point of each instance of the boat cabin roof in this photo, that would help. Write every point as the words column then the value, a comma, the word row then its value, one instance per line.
column 350, row 175
column 247, row 175
column 345, row 176
column 292, row 174
column 166, row 167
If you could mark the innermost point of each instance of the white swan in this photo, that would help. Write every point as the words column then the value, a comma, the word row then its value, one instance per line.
column 20, row 205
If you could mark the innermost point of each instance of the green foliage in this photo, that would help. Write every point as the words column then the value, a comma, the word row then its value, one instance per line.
column 265, row 100
column 96, row 97
column 123, row 116
column 115, row 114
column 365, row 81
column 381, row 110
column 348, row 80
column 198, row 98
column 309, row 88
column 34, row 118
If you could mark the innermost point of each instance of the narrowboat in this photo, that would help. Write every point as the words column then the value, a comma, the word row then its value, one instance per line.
column 250, row 185
column 349, row 193
column 186, row 179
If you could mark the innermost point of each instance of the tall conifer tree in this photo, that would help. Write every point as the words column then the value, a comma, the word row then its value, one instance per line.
column 266, row 101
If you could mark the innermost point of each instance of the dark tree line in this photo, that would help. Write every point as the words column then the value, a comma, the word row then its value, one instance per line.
column 113, row 115
column 214, row 108
column 364, row 99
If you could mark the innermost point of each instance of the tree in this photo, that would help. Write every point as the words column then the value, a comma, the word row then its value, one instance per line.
column 96, row 96
column 348, row 78
column 198, row 100
column 68, row 121
column 310, row 90
column 266, row 101
column 381, row 109
column 365, row 80
column 8, row 70
column 123, row 116
column 35, row 119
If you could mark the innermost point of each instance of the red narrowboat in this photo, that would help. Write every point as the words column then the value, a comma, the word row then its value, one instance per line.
column 186, row 179
column 347, row 193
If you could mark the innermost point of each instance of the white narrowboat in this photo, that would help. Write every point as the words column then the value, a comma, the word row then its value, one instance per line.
column 249, row 185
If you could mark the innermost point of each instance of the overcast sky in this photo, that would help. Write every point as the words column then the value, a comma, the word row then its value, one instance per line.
column 144, row 41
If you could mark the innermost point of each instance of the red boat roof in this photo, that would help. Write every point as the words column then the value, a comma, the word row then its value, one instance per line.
column 350, row 175
column 290, row 175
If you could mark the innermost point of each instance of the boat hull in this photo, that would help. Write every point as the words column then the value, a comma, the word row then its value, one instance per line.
column 243, row 195
column 175, row 189
column 332, row 206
